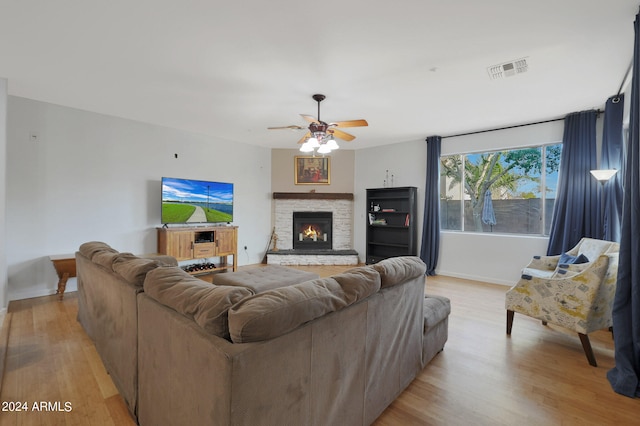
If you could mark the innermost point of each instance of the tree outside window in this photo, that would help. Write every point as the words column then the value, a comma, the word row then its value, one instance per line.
column 522, row 185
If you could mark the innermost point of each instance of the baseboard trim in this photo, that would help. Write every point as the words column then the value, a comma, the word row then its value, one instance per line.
column 71, row 286
column 5, row 327
column 476, row 278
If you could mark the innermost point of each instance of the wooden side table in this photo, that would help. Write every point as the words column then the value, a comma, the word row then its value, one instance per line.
column 65, row 265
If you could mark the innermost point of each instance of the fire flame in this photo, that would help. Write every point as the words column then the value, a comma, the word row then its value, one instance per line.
column 310, row 232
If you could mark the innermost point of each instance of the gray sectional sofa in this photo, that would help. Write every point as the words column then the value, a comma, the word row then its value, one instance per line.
column 108, row 285
column 323, row 351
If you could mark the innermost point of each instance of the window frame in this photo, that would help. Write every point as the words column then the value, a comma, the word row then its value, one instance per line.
column 542, row 187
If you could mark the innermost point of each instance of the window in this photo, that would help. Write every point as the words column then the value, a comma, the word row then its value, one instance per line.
column 501, row 191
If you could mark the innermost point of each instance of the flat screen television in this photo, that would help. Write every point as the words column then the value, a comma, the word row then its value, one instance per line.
column 196, row 201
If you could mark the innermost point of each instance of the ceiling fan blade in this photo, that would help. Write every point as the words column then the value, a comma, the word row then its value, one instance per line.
column 342, row 135
column 294, row 127
column 309, row 118
column 304, row 138
column 350, row 123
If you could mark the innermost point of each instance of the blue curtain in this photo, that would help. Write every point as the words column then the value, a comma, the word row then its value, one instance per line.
column 625, row 376
column 576, row 212
column 431, row 221
column 612, row 158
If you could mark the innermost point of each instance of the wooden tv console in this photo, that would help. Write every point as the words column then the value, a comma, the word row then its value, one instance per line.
column 191, row 243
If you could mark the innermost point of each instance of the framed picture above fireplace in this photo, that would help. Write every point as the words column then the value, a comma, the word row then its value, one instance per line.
column 312, row 170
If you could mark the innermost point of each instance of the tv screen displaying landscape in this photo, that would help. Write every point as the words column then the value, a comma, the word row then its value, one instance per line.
column 196, row 201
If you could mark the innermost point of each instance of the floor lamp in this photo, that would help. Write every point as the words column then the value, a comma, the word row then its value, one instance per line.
column 603, row 176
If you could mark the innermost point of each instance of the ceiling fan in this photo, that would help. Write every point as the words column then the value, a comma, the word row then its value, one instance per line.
column 321, row 135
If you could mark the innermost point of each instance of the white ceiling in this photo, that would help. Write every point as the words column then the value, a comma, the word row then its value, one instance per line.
column 412, row 68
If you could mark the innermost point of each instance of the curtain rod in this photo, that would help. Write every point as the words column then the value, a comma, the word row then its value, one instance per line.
column 626, row 75
column 509, row 127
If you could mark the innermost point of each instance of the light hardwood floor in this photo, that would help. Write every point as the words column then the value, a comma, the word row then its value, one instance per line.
column 538, row 376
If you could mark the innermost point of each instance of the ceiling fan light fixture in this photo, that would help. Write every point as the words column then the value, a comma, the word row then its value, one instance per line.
column 332, row 144
column 324, row 149
column 320, row 132
column 306, row 148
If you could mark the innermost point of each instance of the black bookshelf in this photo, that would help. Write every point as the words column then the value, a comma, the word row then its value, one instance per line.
column 391, row 223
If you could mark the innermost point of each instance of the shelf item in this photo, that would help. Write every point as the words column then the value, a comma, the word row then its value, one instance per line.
column 199, row 268
column 391, row 227
column 185, row 243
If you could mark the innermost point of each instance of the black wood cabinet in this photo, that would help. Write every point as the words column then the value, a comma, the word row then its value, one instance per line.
column 391, row 223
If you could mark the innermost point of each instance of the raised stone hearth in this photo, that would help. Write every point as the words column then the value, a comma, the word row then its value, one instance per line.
column 341, row 206
column 312, row 257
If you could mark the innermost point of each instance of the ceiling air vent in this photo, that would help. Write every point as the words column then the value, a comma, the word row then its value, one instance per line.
column 508, row 69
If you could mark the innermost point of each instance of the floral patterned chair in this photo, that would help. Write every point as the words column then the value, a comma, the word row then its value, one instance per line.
column 574, row 290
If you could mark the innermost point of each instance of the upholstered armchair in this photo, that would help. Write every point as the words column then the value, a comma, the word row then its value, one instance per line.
column 576, row 296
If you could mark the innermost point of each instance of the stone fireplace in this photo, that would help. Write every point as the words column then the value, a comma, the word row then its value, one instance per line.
column 337, row 250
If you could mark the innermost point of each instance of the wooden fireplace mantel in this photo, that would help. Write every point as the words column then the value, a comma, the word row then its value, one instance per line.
column 312, row 196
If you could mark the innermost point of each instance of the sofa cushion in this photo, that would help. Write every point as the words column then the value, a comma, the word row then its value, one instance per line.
column 278, row 311
column 396, row 270
column 592, row 248
column 264, row 278
column 162, row 259
column 540, row 273
column 435, row 309
column 90, row 248
column 105, row 258
column 132, row 268
column 358, row 283
column 206, row 304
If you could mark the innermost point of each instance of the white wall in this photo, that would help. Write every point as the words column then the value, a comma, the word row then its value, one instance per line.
column 94, row 177
column 283, row 176
column 405, row 161
column 495, row 258
column 4, row 301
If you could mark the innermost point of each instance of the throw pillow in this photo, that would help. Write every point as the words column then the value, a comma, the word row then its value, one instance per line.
column 133, row 268
column 396, row 270
column 567, row 259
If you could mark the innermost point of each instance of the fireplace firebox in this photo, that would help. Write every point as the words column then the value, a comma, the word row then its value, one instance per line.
column 312, row 230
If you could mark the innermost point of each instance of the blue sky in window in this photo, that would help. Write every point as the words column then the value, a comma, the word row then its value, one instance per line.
column 525, row 186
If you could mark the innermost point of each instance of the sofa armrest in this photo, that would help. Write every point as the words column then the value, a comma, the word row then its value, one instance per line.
column 544, row 263
column 574, row 268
